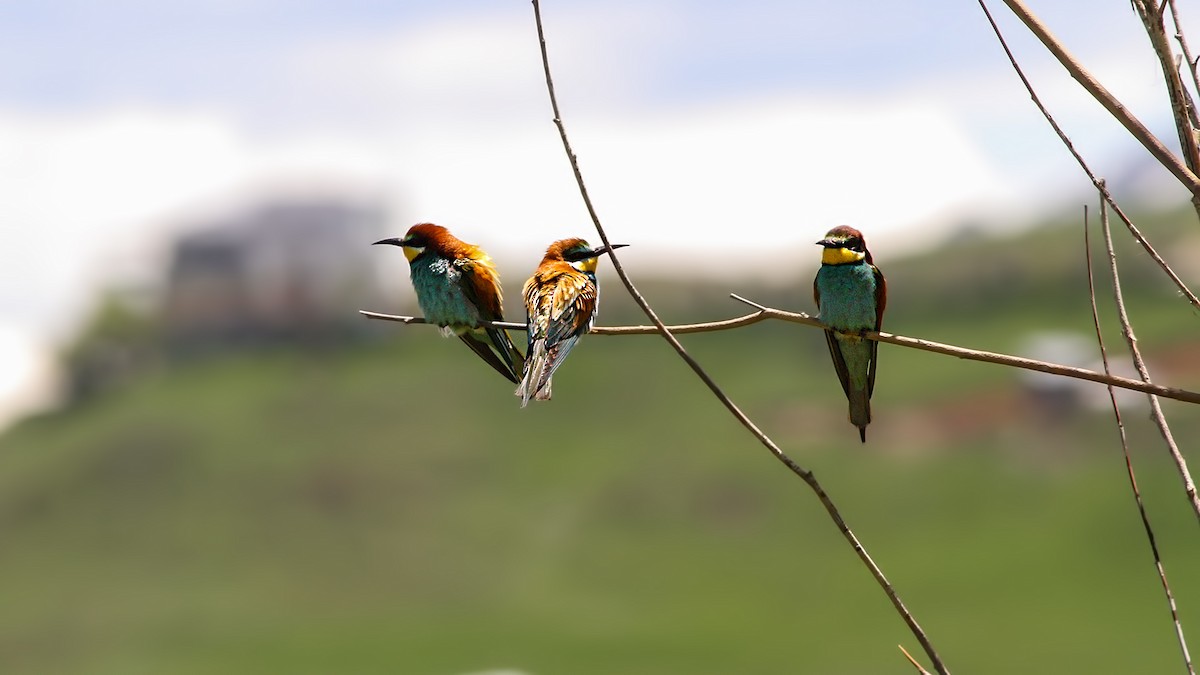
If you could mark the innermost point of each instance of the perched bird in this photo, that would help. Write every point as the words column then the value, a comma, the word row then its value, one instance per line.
column 851, row 295
column 458, row 289
column 560, row 306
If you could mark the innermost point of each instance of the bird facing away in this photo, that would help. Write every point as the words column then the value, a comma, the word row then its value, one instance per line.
column 560, row 306
column 851, row 295
column 458, row 289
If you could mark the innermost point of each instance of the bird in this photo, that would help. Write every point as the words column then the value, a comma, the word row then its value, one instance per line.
column 851, row 295
column 560, row 306
column 458, row 288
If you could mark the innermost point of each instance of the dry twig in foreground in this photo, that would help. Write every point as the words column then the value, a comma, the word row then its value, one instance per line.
column 1189, row 486
column 804, row 474
column 1103, row 96
column 767, row 314
column 1080, row 74
column 1151, row 14
column 915, row 663
column 1137, row 494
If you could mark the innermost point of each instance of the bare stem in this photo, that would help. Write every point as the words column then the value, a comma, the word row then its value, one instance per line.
column 915, row 663
column 1133, row 486
column 1181, row 108
column 1103, row 96
column 1099, row 184
column 1152, row 20
column 1189, row 487
column 806, row 475
column 765, row 313
column 1187, row 56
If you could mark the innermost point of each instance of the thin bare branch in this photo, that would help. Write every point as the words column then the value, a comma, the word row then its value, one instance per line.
column 1152, row 21
column 707, row 327
column 806, row 475
column 1187, row 55
column 916, row 664
column 993, row 357
column 1137, row 234
column 765, row 313
column 1103, row 96
column 1189, row 486
column 1133, row 486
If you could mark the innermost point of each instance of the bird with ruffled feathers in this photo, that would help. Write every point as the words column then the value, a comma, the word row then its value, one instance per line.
column 560, row 307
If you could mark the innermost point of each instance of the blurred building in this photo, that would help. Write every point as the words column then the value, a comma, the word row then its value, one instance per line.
column 285, row 271
column 1054, row 398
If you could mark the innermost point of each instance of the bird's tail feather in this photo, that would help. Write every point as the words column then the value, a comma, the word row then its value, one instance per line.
column 508, row 351
column 536, row 381
column 484, row 351
column 860, row 411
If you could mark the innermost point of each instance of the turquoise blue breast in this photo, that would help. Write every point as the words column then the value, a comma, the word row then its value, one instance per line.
column 439, row 286
column 847, row 296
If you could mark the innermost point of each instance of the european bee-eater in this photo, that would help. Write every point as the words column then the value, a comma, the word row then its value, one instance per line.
column 560, row 306
column 458, row 289
column 851, row 295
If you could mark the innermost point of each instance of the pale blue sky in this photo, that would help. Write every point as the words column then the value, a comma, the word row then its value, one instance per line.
column 122, row 118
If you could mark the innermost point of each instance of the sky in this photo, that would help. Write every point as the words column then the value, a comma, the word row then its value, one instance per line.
column 703, row 128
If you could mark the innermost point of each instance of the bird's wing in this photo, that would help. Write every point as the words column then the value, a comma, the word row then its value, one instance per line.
column 880, row 305
column 880, row 297
column 571, row 302
column 572, row 307
column 839, row 361
column 835, row 349
column 480, row 284
column 484, row 350
column 533, row 293
column 538, row 294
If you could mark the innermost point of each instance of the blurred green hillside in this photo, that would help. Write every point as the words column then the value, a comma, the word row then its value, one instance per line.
column 388, row 508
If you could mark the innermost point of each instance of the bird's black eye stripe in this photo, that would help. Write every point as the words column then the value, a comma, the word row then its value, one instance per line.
column 855, row 244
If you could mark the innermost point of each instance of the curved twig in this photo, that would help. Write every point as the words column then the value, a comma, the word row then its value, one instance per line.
column 1152, row 20
column 707, row 327
column 1083, row 76
column 1133, row 486
column 1187, row 56
column 1156, row 412
column 767, row 313
column 806, row 475
column 1104, row 97
column 915, row 663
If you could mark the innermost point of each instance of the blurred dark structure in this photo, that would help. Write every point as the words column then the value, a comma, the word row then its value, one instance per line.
column 284, row 272
column 1055, row 399
column 120, row 341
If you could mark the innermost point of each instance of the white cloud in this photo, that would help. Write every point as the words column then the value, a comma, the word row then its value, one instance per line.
column 782, row 169
column 481, row 67
column 74, row 184
column 450, row 114
column 28, row 374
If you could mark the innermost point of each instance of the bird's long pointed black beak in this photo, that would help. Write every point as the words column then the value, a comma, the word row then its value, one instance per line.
column 605, row 249
column 394, row 241
column 829, row 243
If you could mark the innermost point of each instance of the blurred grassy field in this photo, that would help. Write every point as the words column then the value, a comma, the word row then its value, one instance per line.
column 390, row 509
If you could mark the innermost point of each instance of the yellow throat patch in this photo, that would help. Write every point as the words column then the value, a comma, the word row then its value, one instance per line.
column 586, row 265
column 840, row 256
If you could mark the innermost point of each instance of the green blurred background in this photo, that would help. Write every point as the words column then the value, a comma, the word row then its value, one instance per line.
column 346, row 496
